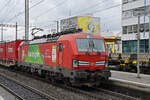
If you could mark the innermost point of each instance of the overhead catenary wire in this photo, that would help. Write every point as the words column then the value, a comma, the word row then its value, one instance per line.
column 97, row 4
column 108, row 8
column 9, row 10
column 5, row 5
column 105, row 9
column 92, row 6
column 144, row 17
column 52, row 8
column 64, row 2
column 4, row 9
column 38, row 3
column 22, row 12
column 14, row 8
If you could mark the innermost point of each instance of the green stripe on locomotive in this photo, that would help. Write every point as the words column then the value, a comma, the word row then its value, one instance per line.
column 34, row 55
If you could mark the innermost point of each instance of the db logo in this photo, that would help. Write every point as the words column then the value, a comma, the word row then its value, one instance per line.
column 92, row 64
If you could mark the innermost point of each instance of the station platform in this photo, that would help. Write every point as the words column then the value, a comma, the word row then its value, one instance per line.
column 5, row 95
column 131, row 80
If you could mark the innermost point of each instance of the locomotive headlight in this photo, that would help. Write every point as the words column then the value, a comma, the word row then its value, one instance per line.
column 75, row 63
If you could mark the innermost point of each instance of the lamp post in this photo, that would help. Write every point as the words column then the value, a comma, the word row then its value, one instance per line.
column 149, row 28
column 138, row 47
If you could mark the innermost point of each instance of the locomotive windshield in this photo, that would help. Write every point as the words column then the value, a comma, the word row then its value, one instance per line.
column 90, row 45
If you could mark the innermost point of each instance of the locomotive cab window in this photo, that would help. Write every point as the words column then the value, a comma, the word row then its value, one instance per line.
column 90, row 45
column 60, row 47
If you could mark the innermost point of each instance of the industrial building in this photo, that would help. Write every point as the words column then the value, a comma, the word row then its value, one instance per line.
column 131, row 9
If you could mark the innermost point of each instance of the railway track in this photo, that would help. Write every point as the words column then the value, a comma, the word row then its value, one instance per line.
column 126, row 90
column 93, row 93
column 17, row 97
column 22, row 91
column 113, row 95
column 81, row 93
column 100, row 94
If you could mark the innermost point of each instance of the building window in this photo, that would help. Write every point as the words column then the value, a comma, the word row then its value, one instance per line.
column 127, row 14
column 124, row 46
column 60, row 47
column 144, row 46
column 147, row 27
column 135, row 28
column 129, row 28
column 127, row 1
column 131, row 46
column 124, row 1
column 124, row 29
column 135, row 12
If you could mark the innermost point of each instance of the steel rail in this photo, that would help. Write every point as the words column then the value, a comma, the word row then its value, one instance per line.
column 44, row 95
column 115, row 94
column 97, row 93
column 11, row 92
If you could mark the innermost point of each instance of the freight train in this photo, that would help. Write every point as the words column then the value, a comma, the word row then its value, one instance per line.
column 128, row 62
column 71, row 56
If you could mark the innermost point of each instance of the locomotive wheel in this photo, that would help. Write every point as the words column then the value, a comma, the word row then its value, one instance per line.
column 98, row 84
column 67, row 82
column 52, row 79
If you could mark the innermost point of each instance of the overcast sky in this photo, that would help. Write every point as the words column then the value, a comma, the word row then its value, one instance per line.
column 43, row 13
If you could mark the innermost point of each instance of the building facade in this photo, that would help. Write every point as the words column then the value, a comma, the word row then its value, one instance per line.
column 131, row 9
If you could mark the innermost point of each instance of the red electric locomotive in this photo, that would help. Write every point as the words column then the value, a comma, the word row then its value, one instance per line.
column 77, row 58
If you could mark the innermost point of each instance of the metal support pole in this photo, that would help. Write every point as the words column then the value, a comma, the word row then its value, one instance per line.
column 2, row 32
column 149, row 28
column 57, row 26
column 144, row 18
column 149, row 34
column 26, row 20
column 16, row 30
column 138, row 48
